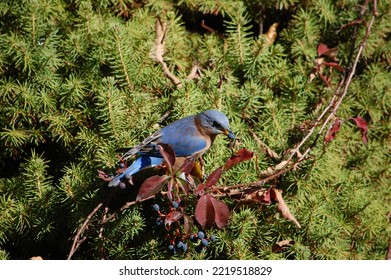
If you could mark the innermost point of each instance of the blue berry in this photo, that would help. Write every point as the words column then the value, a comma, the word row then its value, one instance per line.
column 213, row 238
column 201, row 234
column 198, row 248
column 156, row 207
column 171, row 249
column 193, row 238
column 180, row 245
column 121, row 165
column 175, row 204
column 204, row 242
column 184, row 247
column 159, row 222
column 122, row 185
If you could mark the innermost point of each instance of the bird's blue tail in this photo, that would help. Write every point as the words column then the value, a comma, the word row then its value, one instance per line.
column 140, row 163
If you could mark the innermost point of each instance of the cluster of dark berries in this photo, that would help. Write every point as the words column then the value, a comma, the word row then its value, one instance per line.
column 176, row 244
column 156, row 206
column 178, row 247
column 204, row 240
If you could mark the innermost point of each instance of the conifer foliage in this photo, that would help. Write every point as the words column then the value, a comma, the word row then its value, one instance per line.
column 306, row 87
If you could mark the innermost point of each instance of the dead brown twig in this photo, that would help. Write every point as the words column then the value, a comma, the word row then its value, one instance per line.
column 265, row 148
column 227, row 191
column 103, row 220
column 127, row 205
column 159, row 49
column 76, row 240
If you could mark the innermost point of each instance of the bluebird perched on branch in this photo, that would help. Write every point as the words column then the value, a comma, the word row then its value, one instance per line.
column 189, row 137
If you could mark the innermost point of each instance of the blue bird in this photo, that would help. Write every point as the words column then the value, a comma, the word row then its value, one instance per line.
column 191, row 136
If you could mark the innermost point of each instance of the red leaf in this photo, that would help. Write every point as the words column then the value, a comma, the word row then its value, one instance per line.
column 361, row 123
column 151, row 186
column 265, row 198
column 221, row 212
column 324, row 51
column 331, row 133
column 184, row 185
column 171, row 218
column 187, row 166
column 214, row 177
column 363, row 126
column 175, row 215
column 200, row 190
column 282, row 245
column 242, row 155
column 168, row 154
column 322, row 48
column 204, row 212
column 255, row 197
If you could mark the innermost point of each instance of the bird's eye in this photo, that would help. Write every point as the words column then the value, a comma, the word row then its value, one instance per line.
column 215, row 124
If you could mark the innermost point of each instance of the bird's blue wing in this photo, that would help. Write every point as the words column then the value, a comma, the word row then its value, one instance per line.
column 144, row 147
column 140, row 163
column 182, row 135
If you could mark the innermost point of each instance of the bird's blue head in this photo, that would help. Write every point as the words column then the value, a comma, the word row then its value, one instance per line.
column 215, row 122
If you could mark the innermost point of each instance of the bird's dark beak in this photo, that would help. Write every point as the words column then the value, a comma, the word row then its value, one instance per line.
column 229, row 134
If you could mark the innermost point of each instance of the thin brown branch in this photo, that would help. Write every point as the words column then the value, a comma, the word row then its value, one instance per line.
column 265, row 148
column 375, row 11
column 357, row 21
column 127, row 205
column 164, row 116
column 101, row 249
column 203, row 25
column 76, row 240
column 159, row 49
column 170, row 75
column 195, row 72
column 314, row 126
column 227, row 191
